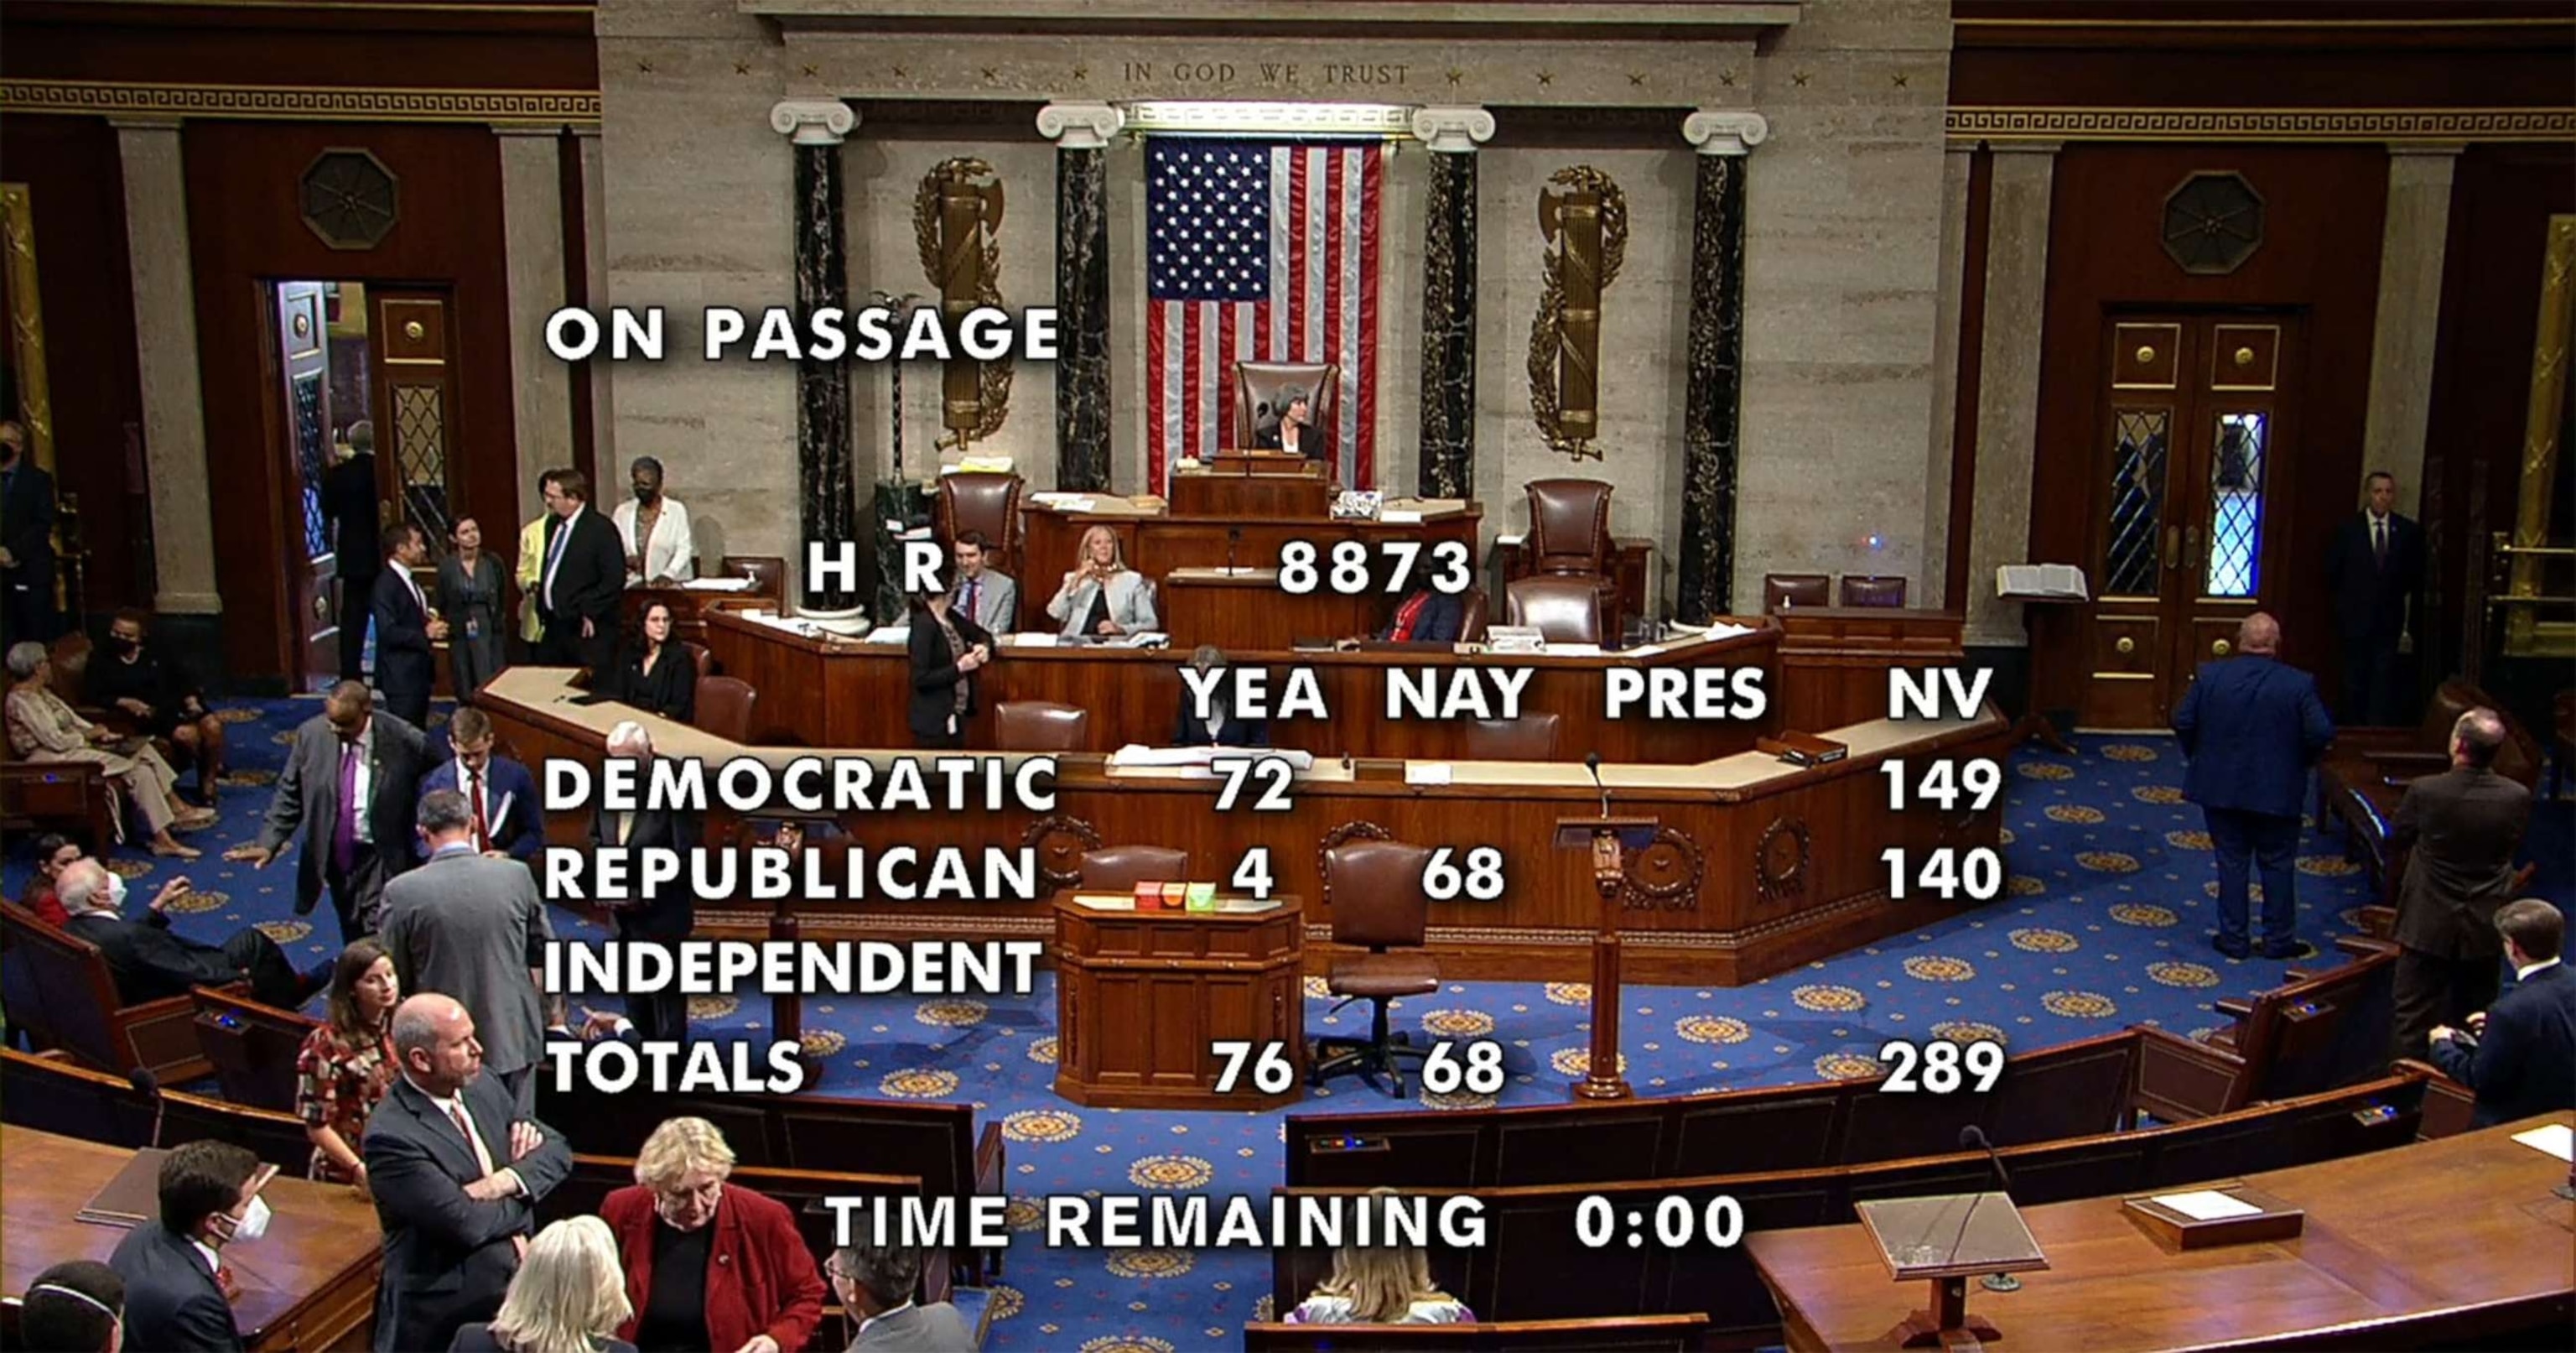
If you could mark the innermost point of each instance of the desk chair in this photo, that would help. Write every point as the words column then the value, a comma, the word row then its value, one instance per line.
column 1862, row 589
column 724, row 708
column 989, row 503
column 1569, row 536
column 1563, row 610
column 1259, row 385
column 1781, row 591
column 1040, row 726
column 1531, row 737
column 702, row 657
column 1118, row 869
column 1375, row 891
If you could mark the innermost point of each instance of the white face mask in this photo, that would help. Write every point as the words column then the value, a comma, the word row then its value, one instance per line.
column 116, row 892
column 253, row 1222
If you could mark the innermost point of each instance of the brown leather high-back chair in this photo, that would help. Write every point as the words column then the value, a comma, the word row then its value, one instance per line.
column 1473, row 614
column 1040, row 726
column 989, row 503
column 1531, row 737
column 1564, row 610
column 1375, row 890
column 703, row 657
column 1258, row 385
column 724, row 708
column 768, row 572
column 1862, row 589
column 1783, row 591
column 1117, row 869
column 1569, row 531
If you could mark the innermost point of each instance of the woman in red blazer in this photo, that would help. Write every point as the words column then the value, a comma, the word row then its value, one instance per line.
column 708, row 1266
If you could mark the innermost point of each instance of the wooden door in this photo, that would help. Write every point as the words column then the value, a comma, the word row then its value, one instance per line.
column 414, row 380
column 304, row 384
column 2193, row 435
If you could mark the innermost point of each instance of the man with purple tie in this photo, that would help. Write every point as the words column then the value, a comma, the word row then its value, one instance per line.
column 347, row 791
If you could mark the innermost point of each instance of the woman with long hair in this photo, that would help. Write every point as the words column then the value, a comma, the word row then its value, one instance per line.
column 1101, row 597
column 567, row 1297
column 947, row 649
column 662, row 675
column 348, row 1064
column 470, row 595
column 1380, row 1285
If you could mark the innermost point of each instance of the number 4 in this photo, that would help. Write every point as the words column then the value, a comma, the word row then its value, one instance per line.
column 1252, row 874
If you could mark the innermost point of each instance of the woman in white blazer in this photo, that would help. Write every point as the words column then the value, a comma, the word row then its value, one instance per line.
column 1102, row 597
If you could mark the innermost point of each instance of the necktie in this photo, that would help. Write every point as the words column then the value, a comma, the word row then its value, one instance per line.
column 554, row 558
column 973, row 591
column 473, row 1140
column 474, row 795
column 2379, row 540
column 344, row 829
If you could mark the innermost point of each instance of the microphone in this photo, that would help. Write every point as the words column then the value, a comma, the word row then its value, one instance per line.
column 1592, row 763
column 1973, row 1138
column 1233, row 537
column 145, row 1083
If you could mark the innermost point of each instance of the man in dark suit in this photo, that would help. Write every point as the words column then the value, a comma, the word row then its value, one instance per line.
column 984, row 595
column 347, row 791
column 1426, row 617
column 2374, row 565
column 2251, row 727
column 456, row 1179
column 474, row 928
column 151, row 962
column 875, row 1284
column 2462, row 826
column 669, row 915
column 348, row 492
column 406, row 665
column 26, row 541
column 173, row 1266
column 582, row 580
column 499, row 792
column 2520, row 1056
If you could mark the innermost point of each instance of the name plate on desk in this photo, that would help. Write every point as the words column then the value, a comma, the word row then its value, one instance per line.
column 2200, row 1219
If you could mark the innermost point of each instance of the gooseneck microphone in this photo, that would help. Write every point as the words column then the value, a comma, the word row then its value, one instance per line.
column 1592, row 763
column 1233, row 537
column 147, row 1084
column 1973, row 1138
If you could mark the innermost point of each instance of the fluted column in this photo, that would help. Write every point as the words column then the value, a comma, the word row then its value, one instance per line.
column 1081, row 132
column 1448, row 456
column 1705, row 575
column 165, row 314
column 825, row 468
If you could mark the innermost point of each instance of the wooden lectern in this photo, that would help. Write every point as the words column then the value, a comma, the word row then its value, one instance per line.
column 1609, row 839
column 1946, row 1240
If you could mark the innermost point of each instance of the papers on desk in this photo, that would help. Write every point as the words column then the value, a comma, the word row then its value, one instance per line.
column 1136, row 756
column 2206, row 1205
column 1512, row 539
column 889, row 634
column 1029, row 639
column 979, row 465
column 2556, row 1139
column 1426, row 772
column 718, row 585
column 1065, row 502
column 1573, row 650
column 1396, row 516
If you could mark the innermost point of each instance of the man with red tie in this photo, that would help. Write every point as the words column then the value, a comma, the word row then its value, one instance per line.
column 501, row 793
column 2374, row 567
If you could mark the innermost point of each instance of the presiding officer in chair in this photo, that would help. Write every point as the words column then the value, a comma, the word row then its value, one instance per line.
column 2251, row 727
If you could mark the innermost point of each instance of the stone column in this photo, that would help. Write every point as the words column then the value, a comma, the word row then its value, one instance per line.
column 1705, row 575
column 533, row 260
column 1447, row 468
column 1081, row 132
column 1940, row 466
column 594, row 247
column 165, row 352
column 2008, row 381
column 825, row 467
column 2410, row 313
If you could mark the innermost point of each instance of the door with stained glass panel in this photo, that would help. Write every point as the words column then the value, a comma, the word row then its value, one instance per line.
column 2190, row 442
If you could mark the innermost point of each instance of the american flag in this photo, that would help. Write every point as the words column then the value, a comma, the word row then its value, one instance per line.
column 1260, row 251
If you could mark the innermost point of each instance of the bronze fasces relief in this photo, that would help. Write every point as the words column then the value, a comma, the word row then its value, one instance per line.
column 1583, row 218
column 957, row 223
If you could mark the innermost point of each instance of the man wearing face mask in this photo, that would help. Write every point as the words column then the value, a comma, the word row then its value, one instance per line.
column 77, row 1306
column 347, row 791
column 177, row 1292
column 150, row 962
column 456, row 1180
column 659, row 548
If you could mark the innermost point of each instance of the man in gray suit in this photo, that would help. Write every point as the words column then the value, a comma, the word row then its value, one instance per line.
column 472, row 926
column 2463, row 827
column 347, row 792
column 987, row 596
column 876, row 1286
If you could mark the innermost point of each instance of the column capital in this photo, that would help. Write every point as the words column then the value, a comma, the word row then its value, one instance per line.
column 1726, row 131
column 2025, row 147
column 1453, row 129
column 2443, row 149
column 143, row 122
column 1081, row 126
column 814, row 122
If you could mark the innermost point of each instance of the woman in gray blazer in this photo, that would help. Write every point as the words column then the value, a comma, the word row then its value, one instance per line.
column 1102, row 597
column 470, row 598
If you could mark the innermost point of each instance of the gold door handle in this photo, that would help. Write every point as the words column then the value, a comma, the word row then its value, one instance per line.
column 2173, row 547
column 2191, row 547
column 2219, row 648
column 2126, row 645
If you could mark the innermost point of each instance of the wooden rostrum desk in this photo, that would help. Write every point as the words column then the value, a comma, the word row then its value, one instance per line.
column 1758, row 867
column 1140, row 996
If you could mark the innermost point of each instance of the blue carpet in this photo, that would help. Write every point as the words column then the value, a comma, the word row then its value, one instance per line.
column 2105, row 924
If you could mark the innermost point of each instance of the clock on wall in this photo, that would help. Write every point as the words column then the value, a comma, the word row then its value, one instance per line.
column 348, row 199
column 2213, row 223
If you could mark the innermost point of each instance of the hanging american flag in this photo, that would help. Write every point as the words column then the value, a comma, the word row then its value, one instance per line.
column 1259, row 251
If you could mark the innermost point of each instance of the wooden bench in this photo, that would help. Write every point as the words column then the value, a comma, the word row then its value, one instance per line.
column 1534, row 1267
column 2078, row 1089
column 58, row 989
column 70, row 796
column 2311, row 1034
column 1626, row 1334
column 254, row 1047
column 53, row 1094
column 2364, row 774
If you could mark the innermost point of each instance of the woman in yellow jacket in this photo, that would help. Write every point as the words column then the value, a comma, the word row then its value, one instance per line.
column 532, row 563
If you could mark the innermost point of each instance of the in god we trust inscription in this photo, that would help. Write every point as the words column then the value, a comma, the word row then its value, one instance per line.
column 1342, row 75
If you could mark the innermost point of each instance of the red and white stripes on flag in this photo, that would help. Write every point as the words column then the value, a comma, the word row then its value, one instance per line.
column 1324, row 212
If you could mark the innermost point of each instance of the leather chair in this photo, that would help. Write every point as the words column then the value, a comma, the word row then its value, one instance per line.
column 1531, row 737
column 989, row 503
column 1118, row 869
column 703, row 657
column 1564, row 610
column 724, row 708
column 1472, row 617
column 1862, row 589
column 1375, row 891
column 1782, row 591
column 60, row 992
column 1258, row 385
column 1569, row 537
column 254, row 1047
column 768, row 572
column 1040, row 726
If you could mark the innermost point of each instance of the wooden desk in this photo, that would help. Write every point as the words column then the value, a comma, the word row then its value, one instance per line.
column 826, row 693
column 1760, row 866
column 1140, row 996
column 2423, row 1246
column 310, row 1283
column 688, row 608
column 1245, row 610
column 1631, row 564
column 1819, row 644
column 1253, row 486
